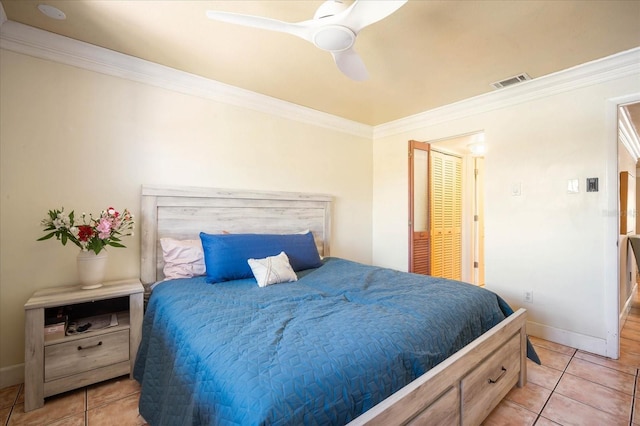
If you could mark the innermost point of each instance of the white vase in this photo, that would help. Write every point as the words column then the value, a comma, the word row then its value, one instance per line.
column 92, row 268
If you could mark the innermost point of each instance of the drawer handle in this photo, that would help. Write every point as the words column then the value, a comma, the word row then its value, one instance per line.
column 80, row 348
column 504, row 371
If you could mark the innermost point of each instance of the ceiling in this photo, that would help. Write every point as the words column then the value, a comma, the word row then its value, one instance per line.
column 425, row 55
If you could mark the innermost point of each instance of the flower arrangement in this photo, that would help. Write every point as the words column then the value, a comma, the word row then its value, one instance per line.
column 93, row 234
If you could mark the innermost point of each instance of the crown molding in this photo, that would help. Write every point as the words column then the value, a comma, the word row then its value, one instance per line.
column 595, row 72
column 42, row 44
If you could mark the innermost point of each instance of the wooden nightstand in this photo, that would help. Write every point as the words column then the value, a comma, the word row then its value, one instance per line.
column 78, row 360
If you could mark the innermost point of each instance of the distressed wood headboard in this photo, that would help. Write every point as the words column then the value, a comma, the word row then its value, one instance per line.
column 183, row 212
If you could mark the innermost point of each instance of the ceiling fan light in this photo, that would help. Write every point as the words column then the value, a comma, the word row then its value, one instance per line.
column 334, row 38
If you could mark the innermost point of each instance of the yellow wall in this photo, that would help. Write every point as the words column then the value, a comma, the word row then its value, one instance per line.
column 83, row 140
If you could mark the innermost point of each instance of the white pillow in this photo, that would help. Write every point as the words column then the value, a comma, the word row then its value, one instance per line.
column 272, row 270
column 182, row 258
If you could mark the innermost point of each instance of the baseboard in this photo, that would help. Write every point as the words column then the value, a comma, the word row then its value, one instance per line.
column 590, row 344
column 624, row 312
column 12, row 375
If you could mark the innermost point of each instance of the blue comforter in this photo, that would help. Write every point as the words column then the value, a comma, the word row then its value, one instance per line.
column 321, row 350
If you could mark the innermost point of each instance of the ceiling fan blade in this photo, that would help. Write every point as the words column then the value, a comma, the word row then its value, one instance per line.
column 364, row 13
column 298, row 29
column 351, row 65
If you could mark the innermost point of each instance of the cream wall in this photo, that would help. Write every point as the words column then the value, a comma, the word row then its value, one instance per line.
column 86, row 140
column 83, row 140
column 560, row 246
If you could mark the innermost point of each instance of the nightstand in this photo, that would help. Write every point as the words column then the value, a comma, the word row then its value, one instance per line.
column 68, row 362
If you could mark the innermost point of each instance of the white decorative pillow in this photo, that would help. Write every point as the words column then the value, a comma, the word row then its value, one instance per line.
column 272, row 270
column 182, row 258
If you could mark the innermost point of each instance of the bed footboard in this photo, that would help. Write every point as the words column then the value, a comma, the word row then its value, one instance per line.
column 466, row 387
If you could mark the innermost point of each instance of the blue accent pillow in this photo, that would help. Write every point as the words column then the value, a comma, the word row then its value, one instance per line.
column 226, row 255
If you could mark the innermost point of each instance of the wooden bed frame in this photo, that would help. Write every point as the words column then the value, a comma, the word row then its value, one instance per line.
column 462, row 390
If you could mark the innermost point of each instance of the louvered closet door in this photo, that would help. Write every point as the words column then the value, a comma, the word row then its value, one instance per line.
column 446, row 215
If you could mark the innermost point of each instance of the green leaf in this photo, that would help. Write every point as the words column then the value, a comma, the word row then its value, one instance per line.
column 114, row 244
column 46, row 237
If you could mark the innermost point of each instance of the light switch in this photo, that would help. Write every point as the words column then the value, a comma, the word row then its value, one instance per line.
column 573, row 186
column 516, row 189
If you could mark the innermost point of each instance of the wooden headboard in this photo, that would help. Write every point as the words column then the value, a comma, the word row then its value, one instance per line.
column 183, row 212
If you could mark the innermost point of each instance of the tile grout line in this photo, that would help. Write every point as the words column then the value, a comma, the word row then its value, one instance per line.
column 10, row 413
column 563, row 371
column 556, row 385
column 13, row 405
column 633, row 397
column 86, row 407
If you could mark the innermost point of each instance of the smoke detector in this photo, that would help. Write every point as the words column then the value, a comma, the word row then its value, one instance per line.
column 52, row 12
column 511, row 81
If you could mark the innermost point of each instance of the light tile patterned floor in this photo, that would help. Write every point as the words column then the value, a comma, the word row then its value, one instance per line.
column 571, row 387
column 574, row 387
column 114, row 402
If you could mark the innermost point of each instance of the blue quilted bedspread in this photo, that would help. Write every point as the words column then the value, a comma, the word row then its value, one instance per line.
column 321, row 350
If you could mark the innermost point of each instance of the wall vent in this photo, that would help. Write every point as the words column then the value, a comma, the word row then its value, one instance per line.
column 511, row 81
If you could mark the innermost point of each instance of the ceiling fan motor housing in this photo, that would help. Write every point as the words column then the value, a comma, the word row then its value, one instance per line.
column 334, row 38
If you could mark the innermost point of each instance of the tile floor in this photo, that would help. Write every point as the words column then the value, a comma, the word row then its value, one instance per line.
column 114, row 402
column 571, row 387
column 574, row 387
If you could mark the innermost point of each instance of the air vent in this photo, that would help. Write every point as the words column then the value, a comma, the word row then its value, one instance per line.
column 511, row 81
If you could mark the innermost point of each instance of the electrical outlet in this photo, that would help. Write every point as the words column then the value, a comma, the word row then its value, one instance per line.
column 528, row 296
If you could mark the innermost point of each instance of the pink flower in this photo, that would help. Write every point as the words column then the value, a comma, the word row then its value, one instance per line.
column 104, row 228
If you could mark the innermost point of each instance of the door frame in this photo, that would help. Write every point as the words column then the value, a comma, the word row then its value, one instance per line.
column 477, row 231
column 612, row 224
column 460, row 148
column 423, row 146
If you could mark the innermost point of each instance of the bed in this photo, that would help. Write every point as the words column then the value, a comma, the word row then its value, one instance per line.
column 345, row 343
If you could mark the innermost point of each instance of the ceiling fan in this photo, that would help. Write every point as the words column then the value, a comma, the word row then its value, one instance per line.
column 334, row 28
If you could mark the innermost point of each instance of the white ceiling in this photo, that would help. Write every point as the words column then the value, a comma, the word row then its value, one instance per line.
column 427, row 54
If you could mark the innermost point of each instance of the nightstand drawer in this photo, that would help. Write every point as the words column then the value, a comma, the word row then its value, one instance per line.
column 80, row 355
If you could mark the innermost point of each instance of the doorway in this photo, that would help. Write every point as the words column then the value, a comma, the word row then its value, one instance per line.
column 446, row 196
column 614, row 274
column 628, row 162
